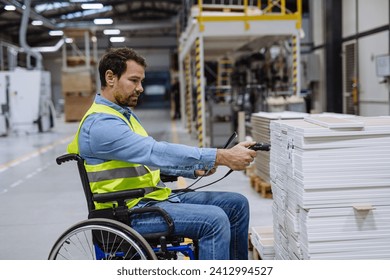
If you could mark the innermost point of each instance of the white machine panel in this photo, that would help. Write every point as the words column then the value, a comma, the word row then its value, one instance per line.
column 29, row 100
column 24, row 96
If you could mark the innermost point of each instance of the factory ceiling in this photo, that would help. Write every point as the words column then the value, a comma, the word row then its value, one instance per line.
column 135, row 18
column 157, row 20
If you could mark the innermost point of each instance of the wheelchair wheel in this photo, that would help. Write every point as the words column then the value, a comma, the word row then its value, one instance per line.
column 101, row 239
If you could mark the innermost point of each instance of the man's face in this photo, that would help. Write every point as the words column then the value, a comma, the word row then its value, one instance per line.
column 129, row 87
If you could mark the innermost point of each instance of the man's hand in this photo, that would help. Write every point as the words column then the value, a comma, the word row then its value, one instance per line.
column 238, row 157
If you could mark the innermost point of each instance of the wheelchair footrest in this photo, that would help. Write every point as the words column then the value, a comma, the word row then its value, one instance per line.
column 170, row 252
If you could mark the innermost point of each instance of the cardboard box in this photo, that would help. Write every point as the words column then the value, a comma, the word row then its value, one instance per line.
column 76, row 105
column 78, row 81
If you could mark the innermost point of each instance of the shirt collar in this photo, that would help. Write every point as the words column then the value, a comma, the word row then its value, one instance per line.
column 126, row 111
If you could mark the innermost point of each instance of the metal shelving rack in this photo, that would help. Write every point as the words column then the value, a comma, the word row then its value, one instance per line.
column 79, row 73
column 215, row 30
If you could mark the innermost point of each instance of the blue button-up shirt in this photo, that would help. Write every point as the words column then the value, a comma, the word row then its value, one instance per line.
column 105, row 137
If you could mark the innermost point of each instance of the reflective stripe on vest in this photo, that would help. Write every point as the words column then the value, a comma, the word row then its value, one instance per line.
column 116, row 175
column 96, row 176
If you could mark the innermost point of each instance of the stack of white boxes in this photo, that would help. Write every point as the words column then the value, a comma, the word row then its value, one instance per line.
column 330, row 177
column 261, row 133
column 262, row 237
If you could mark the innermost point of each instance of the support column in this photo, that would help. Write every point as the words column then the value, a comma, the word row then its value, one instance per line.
column 200, row 99
column 188, row 93
column 296, row 82
column 183, row 89
column 333, row 60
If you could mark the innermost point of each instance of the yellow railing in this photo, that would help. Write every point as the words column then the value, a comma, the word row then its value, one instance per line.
column 274, row 10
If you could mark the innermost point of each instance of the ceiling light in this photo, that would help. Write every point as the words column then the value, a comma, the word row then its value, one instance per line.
column 117, row 39
column 102, row 21
column 37, row 22
column 9, row 7
column 111, row 31
column 92, row 6
column 56, row 33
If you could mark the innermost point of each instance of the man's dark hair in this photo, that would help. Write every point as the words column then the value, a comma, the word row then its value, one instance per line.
column 115, row 60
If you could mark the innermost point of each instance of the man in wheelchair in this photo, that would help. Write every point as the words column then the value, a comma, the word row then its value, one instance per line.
column 119, row 155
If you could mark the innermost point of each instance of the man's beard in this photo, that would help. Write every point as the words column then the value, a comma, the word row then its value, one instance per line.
column 128, row 101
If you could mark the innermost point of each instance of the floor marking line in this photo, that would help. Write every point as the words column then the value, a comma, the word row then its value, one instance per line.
column 17, row 183
column 28, row 176
column 42, row 150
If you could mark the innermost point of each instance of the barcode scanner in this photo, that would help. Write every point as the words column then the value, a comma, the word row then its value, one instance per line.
column 256, row 147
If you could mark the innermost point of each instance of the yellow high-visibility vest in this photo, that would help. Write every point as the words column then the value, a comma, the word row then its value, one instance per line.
column 115, row 175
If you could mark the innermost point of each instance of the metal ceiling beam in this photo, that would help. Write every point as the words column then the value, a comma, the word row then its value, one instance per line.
column 19, row 7
column 120, row 26
column 22, row 37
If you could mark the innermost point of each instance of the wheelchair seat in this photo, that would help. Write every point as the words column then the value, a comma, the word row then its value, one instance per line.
column 164, row 244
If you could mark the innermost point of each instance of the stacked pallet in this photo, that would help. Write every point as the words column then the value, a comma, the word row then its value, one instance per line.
column 78, row 76
column 331, row 187
column 262, row 241
column 260, row 123
column 260, row 186
column 78, row 90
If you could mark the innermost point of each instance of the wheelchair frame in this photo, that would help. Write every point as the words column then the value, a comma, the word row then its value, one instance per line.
column 106, row 233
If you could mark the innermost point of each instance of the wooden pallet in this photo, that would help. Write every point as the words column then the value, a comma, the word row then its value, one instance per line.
column 255, row 254
column 262, row 187
column 251, row 248
column 250, row 245
column 262, row 242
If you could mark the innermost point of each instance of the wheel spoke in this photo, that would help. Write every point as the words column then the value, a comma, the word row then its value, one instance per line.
column 101, row 239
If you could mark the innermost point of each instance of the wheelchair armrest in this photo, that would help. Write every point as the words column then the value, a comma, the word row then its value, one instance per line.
column 168, row 178
column 119, row 196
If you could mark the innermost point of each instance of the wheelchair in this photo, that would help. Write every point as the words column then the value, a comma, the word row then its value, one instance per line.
column 106, row 235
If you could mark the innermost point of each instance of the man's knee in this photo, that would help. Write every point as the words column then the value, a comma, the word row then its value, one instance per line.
column 239, row 201
column 217, row 222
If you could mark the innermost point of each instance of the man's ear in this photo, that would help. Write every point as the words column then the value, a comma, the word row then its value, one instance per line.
column 110, row 77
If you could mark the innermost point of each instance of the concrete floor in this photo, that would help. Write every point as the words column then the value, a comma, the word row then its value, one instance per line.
column 39, row 199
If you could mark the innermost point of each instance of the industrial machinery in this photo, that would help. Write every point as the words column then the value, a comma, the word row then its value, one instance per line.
column 25, row 92
column 235, row 34
column 26, row 105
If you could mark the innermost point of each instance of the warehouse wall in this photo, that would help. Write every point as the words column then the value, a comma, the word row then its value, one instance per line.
column 365, row 24
column 157, row 59
column 369, row 22
column 317, row 26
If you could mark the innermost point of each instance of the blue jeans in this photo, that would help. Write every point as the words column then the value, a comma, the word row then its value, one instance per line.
column 218, row 220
